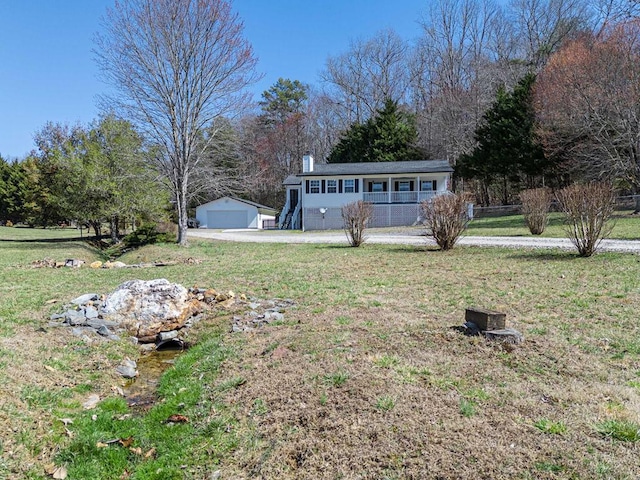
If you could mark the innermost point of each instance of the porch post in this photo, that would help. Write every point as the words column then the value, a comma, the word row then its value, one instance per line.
column 389, row 191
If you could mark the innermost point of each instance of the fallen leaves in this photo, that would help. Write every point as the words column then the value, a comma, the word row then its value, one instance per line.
column 57, row 472
column 128, row 443
column 176, row 418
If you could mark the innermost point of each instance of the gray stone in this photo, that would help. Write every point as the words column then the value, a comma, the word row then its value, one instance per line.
column 81, row 331
column 90, row 313
column 74, row 317
column 127, row 371
column 273, row 316
column 84, row 299
column 104, row 331
column 57, row 316
column 163, row 336
column 145, row 308
column 254, row 305
column 100, row 322
column 506, row 335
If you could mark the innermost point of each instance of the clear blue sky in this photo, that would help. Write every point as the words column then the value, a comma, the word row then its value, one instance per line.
column 47, row 71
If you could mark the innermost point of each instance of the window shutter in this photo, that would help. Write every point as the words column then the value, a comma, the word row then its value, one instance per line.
column 411, row 186
column 340, row 186
column 434, row 185
column 324, row 186
column 384, row 186
column 356, row 183
column 307, row 186
column 396, row 185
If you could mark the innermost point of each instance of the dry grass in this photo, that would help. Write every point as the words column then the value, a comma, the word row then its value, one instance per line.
column 366, row 377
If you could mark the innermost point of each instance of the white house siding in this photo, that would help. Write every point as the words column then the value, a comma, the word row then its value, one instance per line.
column 227, row 212
column 384, row 215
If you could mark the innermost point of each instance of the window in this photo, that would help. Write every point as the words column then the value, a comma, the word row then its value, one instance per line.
column 332, row 186
column 314, row 186
column 377, row 187
column 427, row 185
column 349, row 186
column 404, row 186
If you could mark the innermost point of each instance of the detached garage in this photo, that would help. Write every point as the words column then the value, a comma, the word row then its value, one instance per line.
column 231, row 212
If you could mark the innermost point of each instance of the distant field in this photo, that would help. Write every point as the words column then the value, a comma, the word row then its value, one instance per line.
column 366, row 377
column 627, row 226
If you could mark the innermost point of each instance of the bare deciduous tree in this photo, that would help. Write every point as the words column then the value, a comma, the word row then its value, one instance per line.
column 177, row 66
column 588, row 105
column 369, row 73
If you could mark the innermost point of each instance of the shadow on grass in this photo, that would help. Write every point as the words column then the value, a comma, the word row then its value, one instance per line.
column 546, row 255
column 48, row 240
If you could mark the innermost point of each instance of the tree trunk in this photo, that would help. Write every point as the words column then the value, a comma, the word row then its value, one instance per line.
column 181, row 204
column 113, row 225
column 97, row 228
column 636, row 199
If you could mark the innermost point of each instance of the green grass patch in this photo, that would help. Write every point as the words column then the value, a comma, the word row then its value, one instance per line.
column 112, row 439
column 627, row 227
column 622, row 430
column 549, row 426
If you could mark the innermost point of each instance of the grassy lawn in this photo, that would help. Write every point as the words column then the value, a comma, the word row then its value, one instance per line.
column 626, row 226
column 364, row 378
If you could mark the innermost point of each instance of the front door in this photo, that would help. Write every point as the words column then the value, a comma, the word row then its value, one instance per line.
column 293, row 198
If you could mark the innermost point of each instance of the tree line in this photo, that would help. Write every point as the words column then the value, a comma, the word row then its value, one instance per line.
column 515, row 95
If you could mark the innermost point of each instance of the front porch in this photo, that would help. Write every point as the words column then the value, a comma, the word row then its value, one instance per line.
column 399, row 197
column 399, row 190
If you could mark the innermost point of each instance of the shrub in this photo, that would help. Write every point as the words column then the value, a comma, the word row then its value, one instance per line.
column 445, row 217
column 356, row 217
column 588, row 210
column 535, row 208
column 144, row 235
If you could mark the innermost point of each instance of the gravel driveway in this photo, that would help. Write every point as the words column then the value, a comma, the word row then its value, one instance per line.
column 409, row 237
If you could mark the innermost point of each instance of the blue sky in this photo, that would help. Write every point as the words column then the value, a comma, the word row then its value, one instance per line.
column 47, row 71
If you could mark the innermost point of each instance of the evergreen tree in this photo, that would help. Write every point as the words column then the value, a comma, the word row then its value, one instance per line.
column 507, row 151
column 389, row 136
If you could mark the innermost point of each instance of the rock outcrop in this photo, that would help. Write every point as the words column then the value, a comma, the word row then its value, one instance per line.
column 146, row 308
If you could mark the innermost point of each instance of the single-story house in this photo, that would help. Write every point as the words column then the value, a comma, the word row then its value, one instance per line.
column 314, row 198
column 231, row 212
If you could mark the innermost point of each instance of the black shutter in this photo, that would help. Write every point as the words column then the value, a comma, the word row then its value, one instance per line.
column 340, row 186
column 411, row 186
column 397, row 184
column 384, row 186
column 434, row 184
column 324, row 186
column 307, row 186
column 356, row 183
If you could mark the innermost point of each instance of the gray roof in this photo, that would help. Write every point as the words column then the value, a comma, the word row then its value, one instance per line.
column 292, row 180
column 378, row 168
column 253, row 204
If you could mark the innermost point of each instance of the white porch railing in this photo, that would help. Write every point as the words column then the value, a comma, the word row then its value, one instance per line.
column 399, row 197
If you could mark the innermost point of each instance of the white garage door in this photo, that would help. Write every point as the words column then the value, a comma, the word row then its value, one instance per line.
column 227, row 219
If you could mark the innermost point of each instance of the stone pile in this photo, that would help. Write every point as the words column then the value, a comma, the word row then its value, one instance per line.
column 154, row 311
column 261, row 314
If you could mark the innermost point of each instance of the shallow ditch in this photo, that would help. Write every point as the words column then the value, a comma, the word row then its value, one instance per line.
column 141, row 391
